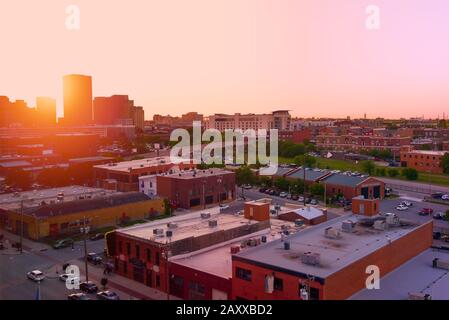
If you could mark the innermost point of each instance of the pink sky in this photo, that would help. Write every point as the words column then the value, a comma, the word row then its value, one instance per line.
column 314, row 57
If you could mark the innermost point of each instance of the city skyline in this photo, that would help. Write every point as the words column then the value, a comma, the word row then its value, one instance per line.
column 297, row 56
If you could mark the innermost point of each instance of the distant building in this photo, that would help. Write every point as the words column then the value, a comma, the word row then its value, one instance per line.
column 77, row 100
column 276, row 120
column 117, row 109
column 422, row 160
column 45, row 112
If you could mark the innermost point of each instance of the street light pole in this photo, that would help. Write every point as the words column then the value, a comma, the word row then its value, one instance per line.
column 84, row 231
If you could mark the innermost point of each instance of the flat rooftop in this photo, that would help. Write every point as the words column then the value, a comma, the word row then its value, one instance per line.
column 335, row 254
column 135, row 164
column 12, row 201
column 428, row 152
column 189, row 174
column 188, row 225
column 416, row 275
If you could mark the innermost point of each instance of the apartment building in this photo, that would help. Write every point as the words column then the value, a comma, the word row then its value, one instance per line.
column 422, row 160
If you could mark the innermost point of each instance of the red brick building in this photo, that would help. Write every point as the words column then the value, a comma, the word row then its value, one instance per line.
column 422, row 160
column 353, row 186
column 327, row 261
column 197, row 188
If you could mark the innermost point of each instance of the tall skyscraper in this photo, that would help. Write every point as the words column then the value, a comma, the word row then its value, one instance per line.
column 46, row 112
column 77, row 100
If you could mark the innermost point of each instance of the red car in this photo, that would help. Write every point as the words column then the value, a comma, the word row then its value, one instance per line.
column 426, row 211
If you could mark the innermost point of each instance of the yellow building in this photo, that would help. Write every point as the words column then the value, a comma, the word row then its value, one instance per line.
column 67, row 218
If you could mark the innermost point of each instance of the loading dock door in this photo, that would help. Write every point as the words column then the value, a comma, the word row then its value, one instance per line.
column 376, row 191
column 364, row 192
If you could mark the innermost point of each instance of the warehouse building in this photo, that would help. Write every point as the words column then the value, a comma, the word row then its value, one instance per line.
column 327, row 261
column 62, row 211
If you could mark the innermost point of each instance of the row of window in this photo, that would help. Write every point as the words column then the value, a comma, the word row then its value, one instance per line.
column 137, row 251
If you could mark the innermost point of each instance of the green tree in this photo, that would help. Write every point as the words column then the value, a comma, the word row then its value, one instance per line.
column 445, row 163
column 244, row 175
column 266, row 181
column 410, row 174
column 393, row 173
column 305, row 160
column 368, row 167
column 297, row 186
column 317, row 189
column 447, row 215
column 282, row 184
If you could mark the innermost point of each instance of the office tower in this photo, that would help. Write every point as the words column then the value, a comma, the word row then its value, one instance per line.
column 117, row 109
column 77, row 100
column 46, row 112
column 139, row 117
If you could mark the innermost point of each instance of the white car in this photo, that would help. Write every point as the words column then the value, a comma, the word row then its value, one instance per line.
column 300, row 199
column 445, row 197
column 401, row 207
column 406, row 203
column 283, row 194
column 223, row 207
column 64, row 277
column 36, row 275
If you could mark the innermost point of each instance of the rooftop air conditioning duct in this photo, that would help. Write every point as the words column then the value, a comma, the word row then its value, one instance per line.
column 347, row 226
column 310, row 258
column 332, row 233
column 158, row 231
column 213, row 223
column 205, row 215
column 172, row 225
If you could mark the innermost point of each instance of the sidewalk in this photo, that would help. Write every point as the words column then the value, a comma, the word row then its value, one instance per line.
column 131, row 288
column 28, row 245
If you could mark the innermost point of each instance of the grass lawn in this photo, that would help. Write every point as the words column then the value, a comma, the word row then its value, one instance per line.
column 343, row 165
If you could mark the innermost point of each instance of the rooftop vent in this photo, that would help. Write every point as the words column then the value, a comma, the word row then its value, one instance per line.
column 310, row 258
column 169, row 233
column 205, row 215
column 347, row 226
column 158, row 231
column 379, row 225
column 172, row 225
column 213, row 223
column 332, row 233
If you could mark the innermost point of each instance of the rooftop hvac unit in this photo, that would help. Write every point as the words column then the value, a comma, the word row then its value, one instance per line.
column 205, row 215
column 310, row 258
column 379, row 225
column 332, row 233
column 172, row 225
column 235, row 249
column 213, row 223
column 158, row 231
column 419, row 296
column 169, row 233
column 347, row 226
column 392, row 219
column 441, row 264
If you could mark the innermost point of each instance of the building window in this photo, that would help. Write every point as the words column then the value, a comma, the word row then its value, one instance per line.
column 156, row 262
column 137, row 252
column 243, row 274
column 148, row 255
column 278, row 284
column 197, row 291
column 158, row 281
column 128, row 248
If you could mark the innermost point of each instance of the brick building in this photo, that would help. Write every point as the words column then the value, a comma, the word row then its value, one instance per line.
column 124, row 176
column 422, row 160
column 197, row 188
column 351, row 186
column 327, row 261
column 142, row 252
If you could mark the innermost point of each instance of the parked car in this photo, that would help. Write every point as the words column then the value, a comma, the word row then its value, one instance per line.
column 64, row 243
column 88, row 287
column 78, row 296
column 97, row 236
column 94, row 258
column 439, row 216
column 426, row 211
column 407, row 203
column 308, row 200
column 262, row 190
column 437, row 195
column 224, row 207
column 295, row 197
column 272, row 192
column 65, row 276
column 445, row 197
column 247, row 186
column 301, row 199
column 277, row 193
column 313, row 202
column 36, row 275
column 283, row 194
column 401, row 207
column 107, row 295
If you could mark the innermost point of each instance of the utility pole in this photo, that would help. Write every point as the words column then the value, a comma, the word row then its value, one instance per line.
column 84, row 231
